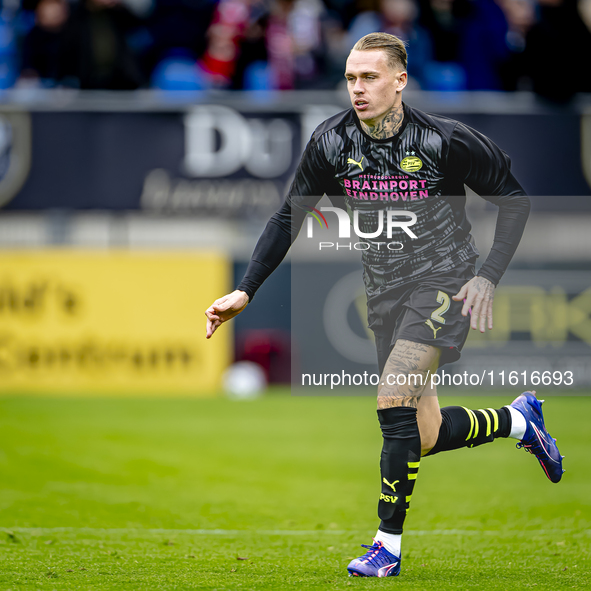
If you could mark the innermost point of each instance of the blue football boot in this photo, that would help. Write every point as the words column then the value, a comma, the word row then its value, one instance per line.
column 376, row 562
column 537, row 440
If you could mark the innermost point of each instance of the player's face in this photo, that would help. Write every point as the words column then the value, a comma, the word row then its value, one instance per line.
column 374, row 87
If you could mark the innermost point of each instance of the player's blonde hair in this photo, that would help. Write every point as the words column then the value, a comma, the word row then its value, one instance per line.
column 391, row 45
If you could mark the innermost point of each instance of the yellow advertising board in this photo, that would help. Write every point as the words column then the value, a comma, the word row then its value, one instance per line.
column 114, row 322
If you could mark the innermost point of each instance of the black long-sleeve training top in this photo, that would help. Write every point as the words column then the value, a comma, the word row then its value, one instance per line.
column 422, row 169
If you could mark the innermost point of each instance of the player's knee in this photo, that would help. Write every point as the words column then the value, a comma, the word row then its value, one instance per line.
column 428, row 441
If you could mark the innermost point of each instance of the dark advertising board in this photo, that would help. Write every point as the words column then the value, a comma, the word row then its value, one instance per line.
column 230, row 160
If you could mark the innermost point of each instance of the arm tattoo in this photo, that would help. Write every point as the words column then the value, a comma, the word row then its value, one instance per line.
column 414, row 361
column 388, row 126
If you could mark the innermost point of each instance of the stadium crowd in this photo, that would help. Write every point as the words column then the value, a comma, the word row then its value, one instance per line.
column 539, row 45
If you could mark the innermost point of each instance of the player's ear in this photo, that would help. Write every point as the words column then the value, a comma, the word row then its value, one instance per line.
column 401, row 80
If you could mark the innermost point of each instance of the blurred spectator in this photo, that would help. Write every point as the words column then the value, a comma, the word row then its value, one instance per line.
column 289, row 37
column 520, row 15
column 557, row 49
column 482, row 48
column 223, row 41
column 470, row 40
column 252, row 68
column 97, row 53
column 258, row 45
column 84, row 47
column 281, row 46
column 198, row 44
column 443, row 19
column 305, row 29
column 43, row 47
column 397, row 17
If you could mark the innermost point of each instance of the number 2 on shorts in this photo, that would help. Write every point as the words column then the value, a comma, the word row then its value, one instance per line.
column 437, row 315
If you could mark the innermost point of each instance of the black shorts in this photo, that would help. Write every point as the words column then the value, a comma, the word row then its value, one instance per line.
column 423, row 312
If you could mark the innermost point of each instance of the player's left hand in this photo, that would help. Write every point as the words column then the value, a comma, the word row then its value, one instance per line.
column 478, row 295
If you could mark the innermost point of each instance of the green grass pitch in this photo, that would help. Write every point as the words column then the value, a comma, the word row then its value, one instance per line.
column 273, row 494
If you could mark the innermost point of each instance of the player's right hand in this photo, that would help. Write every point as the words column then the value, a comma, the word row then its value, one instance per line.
column 224, row 309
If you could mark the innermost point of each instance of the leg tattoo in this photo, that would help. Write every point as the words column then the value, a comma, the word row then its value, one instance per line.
column 403, row 382
column 406, row 374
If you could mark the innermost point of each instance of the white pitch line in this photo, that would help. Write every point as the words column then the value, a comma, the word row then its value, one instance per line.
column 284, row 532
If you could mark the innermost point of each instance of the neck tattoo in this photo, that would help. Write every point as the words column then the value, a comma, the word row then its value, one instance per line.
column 388, row 126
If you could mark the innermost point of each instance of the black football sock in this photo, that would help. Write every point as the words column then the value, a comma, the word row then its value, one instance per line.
column 399, row 465
column 462, row 427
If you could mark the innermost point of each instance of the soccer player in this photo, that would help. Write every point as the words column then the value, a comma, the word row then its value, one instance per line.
column 422, row 299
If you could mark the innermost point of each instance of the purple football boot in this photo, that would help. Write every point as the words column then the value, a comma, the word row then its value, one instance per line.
column 537, row 440
column 376, row 562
